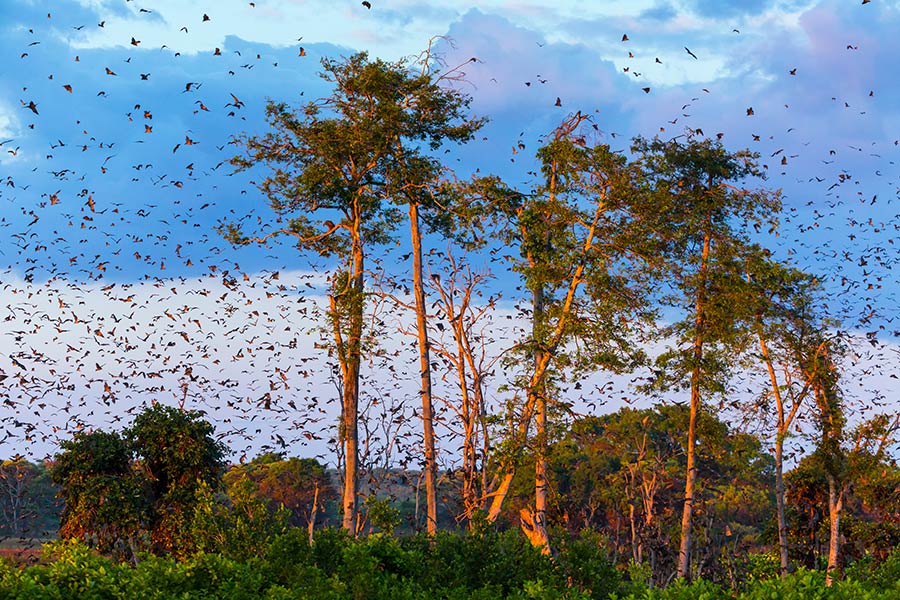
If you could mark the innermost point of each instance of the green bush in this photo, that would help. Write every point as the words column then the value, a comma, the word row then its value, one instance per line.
column 483, row 565
column 585, row 564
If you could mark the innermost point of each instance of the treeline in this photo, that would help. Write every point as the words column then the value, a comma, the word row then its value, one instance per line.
column 610, row 252
column 161, row 487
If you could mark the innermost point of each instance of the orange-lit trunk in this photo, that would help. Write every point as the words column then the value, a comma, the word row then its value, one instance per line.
column 684, row 552
column 424, row 372
column 348, row 351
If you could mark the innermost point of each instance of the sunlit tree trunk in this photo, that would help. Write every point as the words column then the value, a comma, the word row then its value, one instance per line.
column 539, row 535
column 684, row 552
column 424, row 371
column 835, row 505
column 348, row 304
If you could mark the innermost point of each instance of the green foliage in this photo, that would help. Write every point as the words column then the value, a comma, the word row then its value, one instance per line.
column 384, row 568
column 178, row 452
column 700, row 219
column 382, row 515
column 105, row 500
column 241, row 527
column 586, row 564
column 122, row 492
column 285, row 482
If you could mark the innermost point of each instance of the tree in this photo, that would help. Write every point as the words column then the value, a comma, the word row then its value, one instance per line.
column 701, row 220
column 28, row 499
column 300, row 485
column 15, row 477
column 788, row 326
column 341, row 166
column 458, row 290
column 433, row 115
column 821, row 372
column 240, row 527
column 105, row 500
column 178, row 453
column 846, row 493
column 622, row 474
column 571, row 233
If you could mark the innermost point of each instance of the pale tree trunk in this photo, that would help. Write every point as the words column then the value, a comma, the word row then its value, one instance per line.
column 784, row 423
column 632, row 524
column 312, row 514
column 469, row 491
column 539, row 536
column 348, row 351
column 780, row 504
column 424, row 372
column 835, row 505
column 684, row 552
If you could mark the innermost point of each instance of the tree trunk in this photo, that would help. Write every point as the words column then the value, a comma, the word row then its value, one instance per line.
column 780, row 504
column 632, row 525
column 684, row 552
column 469, row 491
column 509, row 469
column 424, row 371
column 349, row 356
column 539, row 536
column 784, row 422
column 835, row 504
column 312, row 514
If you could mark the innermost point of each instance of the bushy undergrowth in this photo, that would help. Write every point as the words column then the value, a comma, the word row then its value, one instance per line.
column 482, row 566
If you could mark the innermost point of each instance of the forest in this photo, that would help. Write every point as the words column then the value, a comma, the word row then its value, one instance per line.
column 653, row 263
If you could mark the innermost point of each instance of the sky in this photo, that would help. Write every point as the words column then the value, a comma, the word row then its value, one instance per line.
column 118, row 119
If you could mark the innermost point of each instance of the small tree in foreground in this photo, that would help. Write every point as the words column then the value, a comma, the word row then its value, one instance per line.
column 123, row 491
column 178, row 453
column 106, row 503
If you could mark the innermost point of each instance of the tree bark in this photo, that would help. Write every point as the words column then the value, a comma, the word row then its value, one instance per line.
column 784, row 422
column 312, row 514
column 684, row 552
column 424, row 371
column 349, row 351
column 780, row 504
column 539, row 536
column 835, row 505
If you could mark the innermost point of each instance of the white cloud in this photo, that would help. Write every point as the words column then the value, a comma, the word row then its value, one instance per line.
column 10, row 129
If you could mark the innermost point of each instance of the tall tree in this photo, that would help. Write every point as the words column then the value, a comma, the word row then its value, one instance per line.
column 571, row 233
column 431, row 114
column 341, row 165
column 820, row 370
column 788, row 326
column 700, row 215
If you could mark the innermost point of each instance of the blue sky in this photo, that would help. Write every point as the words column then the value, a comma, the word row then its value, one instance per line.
column 117, row 174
